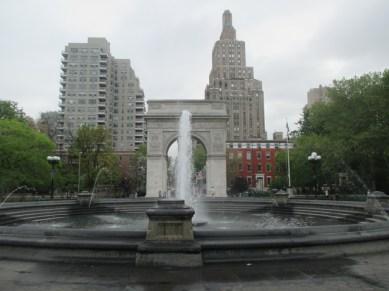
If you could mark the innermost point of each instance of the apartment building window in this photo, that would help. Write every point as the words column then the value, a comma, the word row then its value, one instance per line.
column 259, row 168
column 248, row 155
column 249, row 168
column 268, row 155
column 268, row 167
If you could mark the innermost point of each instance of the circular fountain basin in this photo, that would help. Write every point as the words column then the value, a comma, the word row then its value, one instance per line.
column 214, row 221
column 235, row 230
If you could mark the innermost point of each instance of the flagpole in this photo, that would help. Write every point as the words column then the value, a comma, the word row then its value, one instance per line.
column 287, row 149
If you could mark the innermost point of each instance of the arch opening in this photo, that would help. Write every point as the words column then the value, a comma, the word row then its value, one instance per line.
column 199, row 167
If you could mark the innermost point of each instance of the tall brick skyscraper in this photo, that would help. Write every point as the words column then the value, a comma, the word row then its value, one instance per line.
column 233, row 82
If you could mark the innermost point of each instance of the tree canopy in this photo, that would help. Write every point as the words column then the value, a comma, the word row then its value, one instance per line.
column 350, row 132
column 23, row 153
column 199, row 157
column 10, row 110
column 92, row 144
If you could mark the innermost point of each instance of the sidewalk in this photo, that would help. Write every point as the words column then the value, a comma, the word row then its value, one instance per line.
column 368, row 272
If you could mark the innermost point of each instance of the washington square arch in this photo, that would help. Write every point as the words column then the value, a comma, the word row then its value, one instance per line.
column 209, row 120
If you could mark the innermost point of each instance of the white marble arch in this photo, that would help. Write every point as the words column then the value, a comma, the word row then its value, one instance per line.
column 209, row 120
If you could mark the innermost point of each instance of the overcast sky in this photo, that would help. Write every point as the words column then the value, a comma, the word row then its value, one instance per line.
column 292, row 45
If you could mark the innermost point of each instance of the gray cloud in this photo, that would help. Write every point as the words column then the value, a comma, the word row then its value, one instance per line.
column 292, row 45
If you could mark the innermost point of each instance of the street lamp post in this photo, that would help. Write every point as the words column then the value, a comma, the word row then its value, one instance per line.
column 53, row 161
column 315, row 159
column 79, row 172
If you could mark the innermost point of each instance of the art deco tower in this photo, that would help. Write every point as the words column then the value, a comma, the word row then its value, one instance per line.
column 233, row 82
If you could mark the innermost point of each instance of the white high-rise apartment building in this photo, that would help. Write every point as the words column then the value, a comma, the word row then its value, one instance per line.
column 232, row 82
column 99, row 90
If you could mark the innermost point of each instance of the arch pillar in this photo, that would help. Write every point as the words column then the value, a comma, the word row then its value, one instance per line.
column 157, row 168
column 216, row 170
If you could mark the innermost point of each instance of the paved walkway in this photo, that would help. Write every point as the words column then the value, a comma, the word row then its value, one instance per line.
column 368, row 272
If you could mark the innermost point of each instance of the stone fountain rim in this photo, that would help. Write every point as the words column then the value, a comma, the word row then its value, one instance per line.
column 217, row 246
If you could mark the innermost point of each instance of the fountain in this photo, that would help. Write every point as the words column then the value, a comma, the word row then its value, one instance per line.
column 240, row 229
column 184, row 159
column 169, row 238
column 184, row 169
column 85, row 198
column 12, row 192
column 94, row 185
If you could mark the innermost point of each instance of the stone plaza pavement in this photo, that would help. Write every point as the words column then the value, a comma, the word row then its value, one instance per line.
column 364, row 272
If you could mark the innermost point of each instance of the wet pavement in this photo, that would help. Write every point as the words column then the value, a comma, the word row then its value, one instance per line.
column 367, row 272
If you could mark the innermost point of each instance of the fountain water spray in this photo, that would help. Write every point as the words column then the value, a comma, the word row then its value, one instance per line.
column 94, row 186
column 184, row 158
column 184, row 169
column 12, row 192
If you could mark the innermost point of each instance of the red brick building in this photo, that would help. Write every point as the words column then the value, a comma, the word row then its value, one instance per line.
column 256, row 160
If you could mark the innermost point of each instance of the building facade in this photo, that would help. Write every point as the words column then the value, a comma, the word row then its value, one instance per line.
column 278, row 135
column 233, row 82
column 48, row 123
column 255, row 162
column 99, row 90
column 315, row 95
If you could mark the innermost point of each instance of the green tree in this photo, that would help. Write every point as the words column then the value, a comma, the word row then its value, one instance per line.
column 23, row 153
column 239, row 185
column 351, row 130
column 303, row 172
column 281, row 171
column 10, row 110
column 93, row 144
column 141, row 168
column 199, row 157
column 232, row 167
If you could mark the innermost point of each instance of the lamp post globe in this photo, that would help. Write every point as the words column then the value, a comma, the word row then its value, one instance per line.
column 315, row 159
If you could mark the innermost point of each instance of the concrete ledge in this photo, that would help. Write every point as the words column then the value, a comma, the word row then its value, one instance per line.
column 292, row 253
column 188, row 247
column 169, row 259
